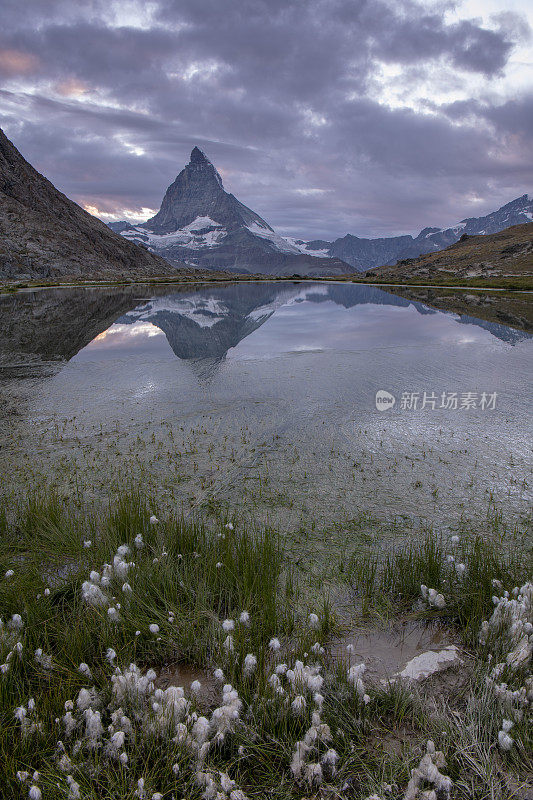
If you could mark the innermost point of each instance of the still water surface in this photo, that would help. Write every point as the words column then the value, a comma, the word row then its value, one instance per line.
column 262, row 397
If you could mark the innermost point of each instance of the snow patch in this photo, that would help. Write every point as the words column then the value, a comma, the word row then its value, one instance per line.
column 455, row 228
column 306, row 250
column 281, row 244
column 188, row 236
column 205, row 312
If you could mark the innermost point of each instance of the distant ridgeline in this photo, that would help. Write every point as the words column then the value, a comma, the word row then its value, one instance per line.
column 203, row 225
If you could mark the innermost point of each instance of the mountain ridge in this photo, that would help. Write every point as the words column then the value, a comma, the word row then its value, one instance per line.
column 205, row 226
column 506, row 253
column 363, row 253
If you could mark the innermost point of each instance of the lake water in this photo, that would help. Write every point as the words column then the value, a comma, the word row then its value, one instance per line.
column 260, row 397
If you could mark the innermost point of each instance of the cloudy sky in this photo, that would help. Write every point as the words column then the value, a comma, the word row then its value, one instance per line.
column 374, row 117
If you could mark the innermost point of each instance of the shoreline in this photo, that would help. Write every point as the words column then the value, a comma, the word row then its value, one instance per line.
column 9, row 288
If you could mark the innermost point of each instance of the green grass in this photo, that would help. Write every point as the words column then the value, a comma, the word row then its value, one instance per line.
column 204, row 577
column 189, row 577
column 393, row 582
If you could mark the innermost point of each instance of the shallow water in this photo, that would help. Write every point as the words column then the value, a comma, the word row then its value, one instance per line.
column 387, row 650
column 261, row 397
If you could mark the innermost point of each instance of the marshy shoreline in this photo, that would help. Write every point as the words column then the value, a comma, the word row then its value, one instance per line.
column 101, row 603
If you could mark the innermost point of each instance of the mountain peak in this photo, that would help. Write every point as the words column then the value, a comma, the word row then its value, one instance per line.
column 198, row 193
column 198, row 156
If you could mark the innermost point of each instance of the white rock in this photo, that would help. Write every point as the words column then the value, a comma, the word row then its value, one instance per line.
column 427, row 664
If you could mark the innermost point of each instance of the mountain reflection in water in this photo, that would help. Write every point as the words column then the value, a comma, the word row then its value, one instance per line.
column 202, row 326
column 198, row 389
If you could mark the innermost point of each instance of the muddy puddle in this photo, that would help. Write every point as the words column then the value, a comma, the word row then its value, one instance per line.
column 387, row 651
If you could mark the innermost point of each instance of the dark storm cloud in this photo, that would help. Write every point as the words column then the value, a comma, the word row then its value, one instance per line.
column 107, row 99
column 466, row 44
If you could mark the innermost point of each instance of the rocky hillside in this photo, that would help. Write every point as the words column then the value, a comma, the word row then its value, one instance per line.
column 205, row 226
column 43, row 234
column 508, row 253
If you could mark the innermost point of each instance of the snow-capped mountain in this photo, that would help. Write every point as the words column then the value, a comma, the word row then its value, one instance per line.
column 205, row 226
column 364, row 254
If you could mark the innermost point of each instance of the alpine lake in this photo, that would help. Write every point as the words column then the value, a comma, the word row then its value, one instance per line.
column 259, row 400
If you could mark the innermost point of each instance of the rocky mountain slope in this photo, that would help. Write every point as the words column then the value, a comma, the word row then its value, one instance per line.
column 364, row 254
column 44, row 234
column 508, row 253
column 205, row 226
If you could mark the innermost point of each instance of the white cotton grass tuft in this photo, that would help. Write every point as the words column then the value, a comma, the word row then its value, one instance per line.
column 428, row 771
column 85, row 670
column 250, row 663
column 228, row 644
column 35, row 793
column 219, row 675
column 355, row 678
column 154, row 628
column 504, row 740
column 433, row 598
column 43, row 659
column 274, row 644
column 228, row 625
column 313, row 621
column 139, row 541
column 330, row 757
column 9, row 573
column 299, row 704
column 195, row 687
column 110, row 655
column 244, row 618
column 229, row 526
column 86, row 699
column 16, row 622
column 87, row 543
column 64, row 763
column 153, row 520
column 92, row 593
column 74, row 789
column 113, row 614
